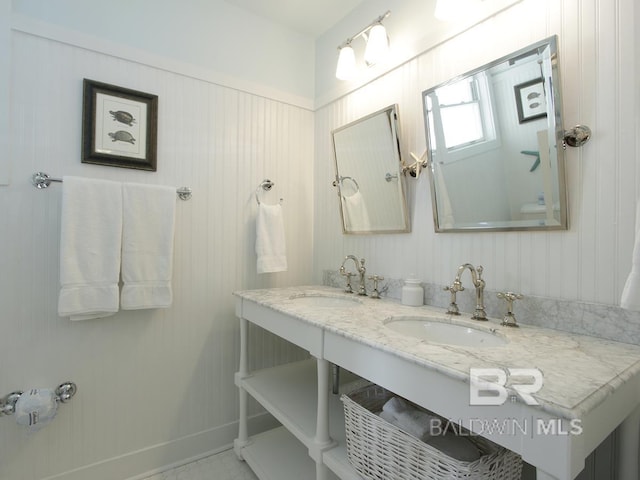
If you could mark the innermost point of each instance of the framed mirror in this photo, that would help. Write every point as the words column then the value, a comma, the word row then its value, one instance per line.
column 369, row 178
column 495, row 145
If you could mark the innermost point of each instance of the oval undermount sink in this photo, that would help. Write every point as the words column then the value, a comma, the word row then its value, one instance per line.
column 433, row 331
column 327, row 301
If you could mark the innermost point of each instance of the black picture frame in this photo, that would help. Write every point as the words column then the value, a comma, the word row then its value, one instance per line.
column 531, row 101
column 119, row 126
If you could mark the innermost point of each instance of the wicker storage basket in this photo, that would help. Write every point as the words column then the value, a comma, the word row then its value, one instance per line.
column 381, row 451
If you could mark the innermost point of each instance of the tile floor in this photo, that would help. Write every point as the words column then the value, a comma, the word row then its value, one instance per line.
column 222, row 466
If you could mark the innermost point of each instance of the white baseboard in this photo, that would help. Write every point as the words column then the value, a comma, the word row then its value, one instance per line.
column 158, row 458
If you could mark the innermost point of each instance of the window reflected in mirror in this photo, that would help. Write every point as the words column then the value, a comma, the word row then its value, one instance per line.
column 494, row 139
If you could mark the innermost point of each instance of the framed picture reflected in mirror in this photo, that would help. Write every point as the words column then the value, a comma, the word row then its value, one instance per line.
column 530, row 100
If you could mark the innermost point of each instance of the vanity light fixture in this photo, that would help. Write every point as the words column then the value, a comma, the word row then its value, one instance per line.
column 376, row 50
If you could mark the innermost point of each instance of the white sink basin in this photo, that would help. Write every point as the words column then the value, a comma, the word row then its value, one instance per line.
column 319, row 300
column 435, row 331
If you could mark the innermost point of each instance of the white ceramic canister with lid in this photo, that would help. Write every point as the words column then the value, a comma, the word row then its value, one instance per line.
column 412, row 292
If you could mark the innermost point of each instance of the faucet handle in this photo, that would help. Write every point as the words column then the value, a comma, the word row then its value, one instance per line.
column 376, row 279
column 509, row 319
column 347, row 287
column 454, row 288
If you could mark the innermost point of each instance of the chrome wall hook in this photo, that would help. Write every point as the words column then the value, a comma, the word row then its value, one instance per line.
column 576, row 136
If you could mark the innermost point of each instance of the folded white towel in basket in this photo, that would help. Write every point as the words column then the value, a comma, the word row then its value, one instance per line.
column 413, row 421
column 428, row 428
column 147, row 246
column 90, row 239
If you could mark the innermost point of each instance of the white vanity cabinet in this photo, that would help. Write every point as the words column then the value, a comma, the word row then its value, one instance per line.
column 591, row 382
column 311, row 441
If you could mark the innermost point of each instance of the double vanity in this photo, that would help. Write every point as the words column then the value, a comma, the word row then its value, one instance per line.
column 579, row 388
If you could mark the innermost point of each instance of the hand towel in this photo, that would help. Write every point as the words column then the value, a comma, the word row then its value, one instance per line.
column 147, row 245
column 356, row 215
column 445, row 211
column 90, row 238
column 270, row 240
column 630, row 298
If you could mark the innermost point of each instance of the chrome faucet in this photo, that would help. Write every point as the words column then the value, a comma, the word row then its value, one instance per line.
column 478, row 282
column 361, row 271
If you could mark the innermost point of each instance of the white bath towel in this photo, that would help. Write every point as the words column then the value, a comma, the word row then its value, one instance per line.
column 356, row 215
column 90, row 239
column 147, row 245
column 630, row 298
column 270, row 239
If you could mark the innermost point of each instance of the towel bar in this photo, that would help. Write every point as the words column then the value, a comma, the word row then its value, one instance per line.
column 42, row 180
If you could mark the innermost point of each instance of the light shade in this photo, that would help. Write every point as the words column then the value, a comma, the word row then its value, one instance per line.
column 377, row 45
column 346, row 69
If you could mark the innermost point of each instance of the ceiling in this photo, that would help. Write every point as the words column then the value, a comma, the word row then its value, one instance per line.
column 311, row 17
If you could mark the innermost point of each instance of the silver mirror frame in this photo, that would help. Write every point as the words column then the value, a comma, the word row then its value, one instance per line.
column 560, row 136
column 389, row 177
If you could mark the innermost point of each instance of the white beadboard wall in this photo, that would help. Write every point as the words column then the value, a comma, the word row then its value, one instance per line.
column 154, row 387
column 589, row 262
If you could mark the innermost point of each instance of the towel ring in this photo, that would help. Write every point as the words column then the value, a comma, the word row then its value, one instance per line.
column 340, row 181
column 266, row 185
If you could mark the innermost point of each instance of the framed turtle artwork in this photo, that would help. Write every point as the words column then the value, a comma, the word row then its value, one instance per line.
column 119, row 126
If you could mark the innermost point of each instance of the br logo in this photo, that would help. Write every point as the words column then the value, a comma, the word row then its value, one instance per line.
column 488, row 386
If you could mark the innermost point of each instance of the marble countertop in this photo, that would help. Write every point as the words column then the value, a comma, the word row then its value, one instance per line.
column 579, row 371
